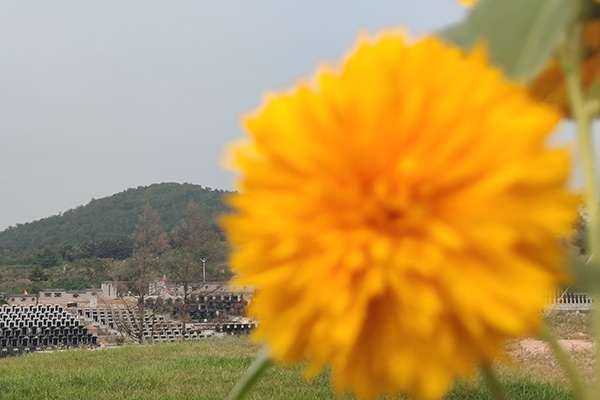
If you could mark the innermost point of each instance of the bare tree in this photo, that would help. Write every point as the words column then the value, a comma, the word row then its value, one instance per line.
column 137, row 275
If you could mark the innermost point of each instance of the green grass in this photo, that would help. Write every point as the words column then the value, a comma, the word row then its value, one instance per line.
column 516, row 388
column 206, row 369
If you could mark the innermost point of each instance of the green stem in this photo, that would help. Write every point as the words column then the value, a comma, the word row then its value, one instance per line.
column 579, row 387
column 571, row 58
column 492, row 382
column 252, row 375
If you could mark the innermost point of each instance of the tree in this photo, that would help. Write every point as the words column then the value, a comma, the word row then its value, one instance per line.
column 47, row 258
column 92, row 271
column 119, row 249
column 194, row 242
column 150, row 243
column 37, row 275
column 73, row 253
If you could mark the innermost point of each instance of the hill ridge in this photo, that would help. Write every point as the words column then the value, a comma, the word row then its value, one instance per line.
column 113, row 216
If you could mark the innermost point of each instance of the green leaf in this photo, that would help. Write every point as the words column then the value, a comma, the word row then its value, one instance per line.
column 521, row 35
column 458, row 35
column 592, row 96
column 586, row 274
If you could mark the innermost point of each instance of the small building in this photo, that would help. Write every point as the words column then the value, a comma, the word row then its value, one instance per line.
column 22, row 299
column 107, row 291
column 110, row 291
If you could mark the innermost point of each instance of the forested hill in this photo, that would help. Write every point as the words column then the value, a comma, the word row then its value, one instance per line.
column 112, row 217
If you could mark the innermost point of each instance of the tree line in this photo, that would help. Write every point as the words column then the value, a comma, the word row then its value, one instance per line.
column 184, row 254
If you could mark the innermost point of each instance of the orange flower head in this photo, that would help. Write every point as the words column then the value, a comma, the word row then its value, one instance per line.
column 399, row 217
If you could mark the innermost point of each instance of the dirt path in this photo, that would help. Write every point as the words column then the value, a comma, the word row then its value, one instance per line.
column 534, row 358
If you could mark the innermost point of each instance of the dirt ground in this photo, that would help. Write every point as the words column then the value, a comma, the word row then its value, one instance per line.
column 532, row 357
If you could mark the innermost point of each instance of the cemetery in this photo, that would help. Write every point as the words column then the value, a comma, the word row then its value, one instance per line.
column 60, row 319
column 57, row 319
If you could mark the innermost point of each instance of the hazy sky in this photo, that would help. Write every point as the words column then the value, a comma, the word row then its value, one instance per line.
column 100, row 96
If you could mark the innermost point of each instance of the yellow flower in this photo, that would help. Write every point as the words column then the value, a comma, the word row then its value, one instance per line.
column 399, row 217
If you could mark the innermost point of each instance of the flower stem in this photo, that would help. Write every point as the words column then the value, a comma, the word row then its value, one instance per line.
column 571, row 58
column 252, row 375
column 579, row 387
column 492, row 382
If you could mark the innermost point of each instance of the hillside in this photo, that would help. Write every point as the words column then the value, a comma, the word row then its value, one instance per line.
column 112, row 217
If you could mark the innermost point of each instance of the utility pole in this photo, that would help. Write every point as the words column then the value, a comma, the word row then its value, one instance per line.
column 203, row 269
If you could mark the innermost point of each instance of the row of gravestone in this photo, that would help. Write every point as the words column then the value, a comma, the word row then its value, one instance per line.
column 199, row 308
column 126, row 321
column 31, row 308
column 17, row 323
column 196, row 299
column 156, row 327
column 234, row 329
column 570, row 301
column 576, row 298
column 8, row 312
column 43, row 331
column 40, row 327
column 114, row 318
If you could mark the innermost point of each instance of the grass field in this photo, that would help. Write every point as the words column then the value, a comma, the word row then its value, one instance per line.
column 208, row 369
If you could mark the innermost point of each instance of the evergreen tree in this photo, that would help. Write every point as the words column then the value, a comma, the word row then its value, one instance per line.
column 150, row 243
column 193, row 241
column 37, row 275
column 47, row 258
